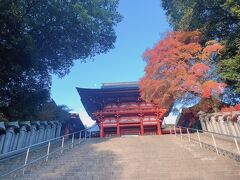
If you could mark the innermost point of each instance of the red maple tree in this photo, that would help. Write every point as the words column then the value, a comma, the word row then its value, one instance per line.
column 231, row 108
column 177, row 65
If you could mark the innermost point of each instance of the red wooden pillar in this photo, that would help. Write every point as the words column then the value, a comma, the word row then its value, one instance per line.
column 159, row 131
column 118, row 124
column 101, row 130
column 141, row 122
column 141, row 126
column 118, row 128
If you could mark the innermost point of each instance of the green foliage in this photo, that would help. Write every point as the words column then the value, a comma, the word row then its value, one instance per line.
column 218, row 19
column 52, row 111
column 233, row 6
column 230, row 71
column 43, row 37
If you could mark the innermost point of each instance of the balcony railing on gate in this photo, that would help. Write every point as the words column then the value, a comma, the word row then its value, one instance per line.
column 226, row 145
column 18, row 160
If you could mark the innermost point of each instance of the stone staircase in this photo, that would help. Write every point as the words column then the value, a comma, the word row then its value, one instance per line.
column 17, row 160
column 136, row 158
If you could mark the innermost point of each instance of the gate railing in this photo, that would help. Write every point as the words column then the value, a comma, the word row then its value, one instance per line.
column 226, row 145
column 10, row 164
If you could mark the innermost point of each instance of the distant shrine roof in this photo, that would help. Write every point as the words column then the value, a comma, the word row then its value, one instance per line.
column 95, row 99
column 120, row 85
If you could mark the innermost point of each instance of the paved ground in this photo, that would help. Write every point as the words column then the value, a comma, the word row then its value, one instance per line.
column 138, row 158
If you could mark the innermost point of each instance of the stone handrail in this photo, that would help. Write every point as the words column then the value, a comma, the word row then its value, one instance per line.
column 228, row 145
column 51, row 146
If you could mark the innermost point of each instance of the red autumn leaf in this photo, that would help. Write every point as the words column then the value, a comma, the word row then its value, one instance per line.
column 179, row 64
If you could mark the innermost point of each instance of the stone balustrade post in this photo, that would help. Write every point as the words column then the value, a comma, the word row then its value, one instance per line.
column 35, row 126
column 208, row 123
column 8, row 144
column 47, row 132
column 26, row 133
column 15, row 141
column 238, row 124
column 58, row 131
column 236, row 119
column 201, row 116
column 214, row 125
column 8, row 139
column 33, row 134
column 2, row 137
column 54, row 129
column 222, row 124
column 227, row 124
column 22, row 137
column 41, row 133
column 231, row 127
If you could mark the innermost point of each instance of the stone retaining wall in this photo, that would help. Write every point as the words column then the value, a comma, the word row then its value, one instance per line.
column 227, row 123
column 19, row 134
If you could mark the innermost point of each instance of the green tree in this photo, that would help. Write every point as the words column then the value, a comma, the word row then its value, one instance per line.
column 218, row 19
column 52, row 111
column 40, row 38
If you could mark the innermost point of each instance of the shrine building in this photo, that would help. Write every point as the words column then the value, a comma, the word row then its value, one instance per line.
column 118, row 110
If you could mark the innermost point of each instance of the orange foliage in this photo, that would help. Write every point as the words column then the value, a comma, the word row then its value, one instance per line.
column 231, row 108
column 179, row 64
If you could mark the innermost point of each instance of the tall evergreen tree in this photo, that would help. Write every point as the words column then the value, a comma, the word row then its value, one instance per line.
column 40, row 38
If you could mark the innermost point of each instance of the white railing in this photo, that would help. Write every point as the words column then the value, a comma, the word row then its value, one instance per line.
column 226, row 145
column 12, row 162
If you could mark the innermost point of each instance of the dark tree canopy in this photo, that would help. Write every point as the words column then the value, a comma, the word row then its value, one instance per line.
column 216, row 19
column 43, row 37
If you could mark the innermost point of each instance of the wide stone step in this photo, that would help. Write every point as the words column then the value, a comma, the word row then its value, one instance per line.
column 132, row 158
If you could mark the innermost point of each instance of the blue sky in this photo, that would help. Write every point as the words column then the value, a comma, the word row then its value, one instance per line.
column 143, row 25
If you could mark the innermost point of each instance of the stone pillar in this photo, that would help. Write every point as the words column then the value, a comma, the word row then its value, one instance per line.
column 54, row 129
column 208, row 123
column 15, row 141
column 58, row 131
column 10, row 134
column 201, row 115
column 232, row 128
column 27, row 139
column 26, row 132
column 41, row 133
column 238, row 124
column 235, row 124
column 48, row 132
column 37, row 137
column 7, row 142
column 2, row 137
column 214, row 125
column 219, row 125
column 222, row 124
column 22, row 137
column 45, row 124
column 236, row 119
column 33, row 134
column 227, row 127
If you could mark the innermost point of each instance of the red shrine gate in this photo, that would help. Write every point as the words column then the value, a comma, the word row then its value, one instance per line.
column 119, row 110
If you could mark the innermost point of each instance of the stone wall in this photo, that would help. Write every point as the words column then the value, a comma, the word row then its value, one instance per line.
column 227, row 123
column 19, row 134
